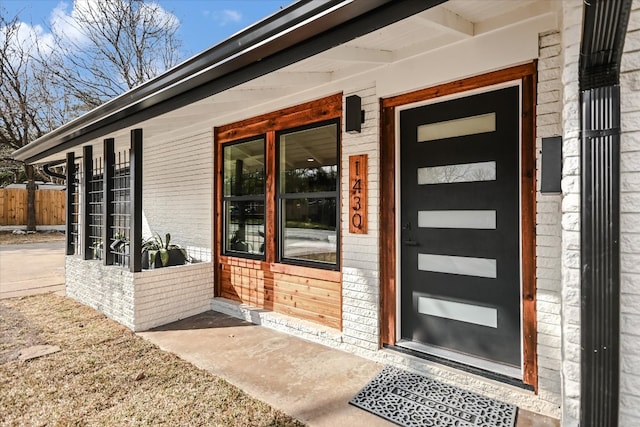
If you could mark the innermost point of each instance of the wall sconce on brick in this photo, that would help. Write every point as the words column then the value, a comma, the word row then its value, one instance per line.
column 354, row 114
column 551, row 165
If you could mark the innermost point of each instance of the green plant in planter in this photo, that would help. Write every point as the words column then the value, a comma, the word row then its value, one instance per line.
column 163, row 250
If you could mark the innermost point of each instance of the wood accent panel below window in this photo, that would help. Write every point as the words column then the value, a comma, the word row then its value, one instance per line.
column 285, row 290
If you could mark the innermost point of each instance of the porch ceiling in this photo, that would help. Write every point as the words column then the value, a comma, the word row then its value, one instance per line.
column 436, row 28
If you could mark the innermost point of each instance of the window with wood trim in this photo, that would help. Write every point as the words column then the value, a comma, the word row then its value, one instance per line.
column 278, row 193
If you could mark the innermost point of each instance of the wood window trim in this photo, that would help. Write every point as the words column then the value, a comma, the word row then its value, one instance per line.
column 268, row 124
column 526, row 73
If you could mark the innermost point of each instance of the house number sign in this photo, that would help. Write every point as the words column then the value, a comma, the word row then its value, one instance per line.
column 358, row 194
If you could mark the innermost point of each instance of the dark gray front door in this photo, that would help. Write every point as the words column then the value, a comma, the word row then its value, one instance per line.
column 460, row 216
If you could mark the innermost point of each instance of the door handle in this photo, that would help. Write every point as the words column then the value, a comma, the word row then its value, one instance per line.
column 410, row 243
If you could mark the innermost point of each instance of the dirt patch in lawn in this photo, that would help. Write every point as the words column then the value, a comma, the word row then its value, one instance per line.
column 9, row 238
column 106, row 375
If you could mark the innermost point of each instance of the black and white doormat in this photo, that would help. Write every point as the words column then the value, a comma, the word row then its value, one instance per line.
column 408, row 399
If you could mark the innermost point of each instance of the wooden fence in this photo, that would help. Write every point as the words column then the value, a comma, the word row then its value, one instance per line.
column 50, row 207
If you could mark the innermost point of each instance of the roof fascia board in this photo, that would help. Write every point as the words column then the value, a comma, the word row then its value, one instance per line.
column 314, row 35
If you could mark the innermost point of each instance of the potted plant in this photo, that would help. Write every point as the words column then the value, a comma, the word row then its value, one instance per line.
column 158, row 253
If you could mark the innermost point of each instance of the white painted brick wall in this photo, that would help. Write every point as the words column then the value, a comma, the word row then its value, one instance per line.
column 548, row 226
column 106, row 289
column 630, row 224
column 142, row 300
column 571, row 34
column 360, row 252
column 168, row 294
column 178, row 183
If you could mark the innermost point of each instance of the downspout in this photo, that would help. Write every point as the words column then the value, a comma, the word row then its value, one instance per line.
column 46, row 168
column 604, row 29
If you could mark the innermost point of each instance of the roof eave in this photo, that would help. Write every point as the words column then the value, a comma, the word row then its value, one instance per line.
column 306, row 27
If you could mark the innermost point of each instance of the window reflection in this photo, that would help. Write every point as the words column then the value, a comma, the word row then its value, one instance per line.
column 308, row 193
column 310, row 229
column 467, row 172
column 245, row 227
column 244, row 188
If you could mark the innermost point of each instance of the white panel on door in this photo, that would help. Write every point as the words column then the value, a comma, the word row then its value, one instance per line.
column 471, row 125
column 464, row 172
column 479, row 220
column 479, row 315
column 467, row 266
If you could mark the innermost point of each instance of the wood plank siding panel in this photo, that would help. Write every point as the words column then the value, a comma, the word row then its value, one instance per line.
column 307, row 293
column 527, row 75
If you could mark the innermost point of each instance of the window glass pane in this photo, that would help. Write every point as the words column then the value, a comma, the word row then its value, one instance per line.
column 244, row 226
column 309, row 160
column 459, row 127
column 467, row 172
column 244, row 168
column 310, row 229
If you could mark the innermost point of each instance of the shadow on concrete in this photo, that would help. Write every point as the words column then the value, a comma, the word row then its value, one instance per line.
column 206, row 320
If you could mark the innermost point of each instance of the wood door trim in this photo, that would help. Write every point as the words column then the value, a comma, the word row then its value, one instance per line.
column 388, row 262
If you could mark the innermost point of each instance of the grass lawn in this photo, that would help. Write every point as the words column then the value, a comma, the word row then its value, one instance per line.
column 106, row 375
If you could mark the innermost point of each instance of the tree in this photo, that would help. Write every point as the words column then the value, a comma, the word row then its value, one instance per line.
column 29, row 106
column 99, row 50
column 106, row 47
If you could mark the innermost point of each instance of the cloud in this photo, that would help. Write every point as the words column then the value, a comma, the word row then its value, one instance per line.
column 27, row 39
column 224, row 17
column 65, row 25
column 68, row 25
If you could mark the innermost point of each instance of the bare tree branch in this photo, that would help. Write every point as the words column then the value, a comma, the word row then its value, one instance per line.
column 116, row 46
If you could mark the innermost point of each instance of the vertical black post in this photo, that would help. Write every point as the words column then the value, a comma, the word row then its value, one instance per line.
column 600, row 257
column 87, row 174
column 107, row 199
column 71, row 189
column 135, row 158
column 603, row 34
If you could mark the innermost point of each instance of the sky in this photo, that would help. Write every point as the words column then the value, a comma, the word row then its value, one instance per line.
column 203, row 23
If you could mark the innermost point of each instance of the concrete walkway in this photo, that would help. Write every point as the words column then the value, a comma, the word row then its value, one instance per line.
column 308, row 381
column 31, row 268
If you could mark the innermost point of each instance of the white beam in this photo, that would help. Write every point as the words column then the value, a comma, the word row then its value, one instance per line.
column 358, row 54
column 284, row 78
column 444, row 19
column 438, row 42
column 514, row 17
column 248, row 95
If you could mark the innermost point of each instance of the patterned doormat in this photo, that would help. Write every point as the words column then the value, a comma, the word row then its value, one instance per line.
column 413, row 400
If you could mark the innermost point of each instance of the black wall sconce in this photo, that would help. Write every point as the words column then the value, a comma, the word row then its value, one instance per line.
column 551, row 174
column 354, row 114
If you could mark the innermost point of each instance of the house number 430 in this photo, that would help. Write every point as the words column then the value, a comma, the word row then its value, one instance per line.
column 358, row 194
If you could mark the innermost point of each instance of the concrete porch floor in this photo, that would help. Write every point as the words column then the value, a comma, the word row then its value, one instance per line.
column 308, row 381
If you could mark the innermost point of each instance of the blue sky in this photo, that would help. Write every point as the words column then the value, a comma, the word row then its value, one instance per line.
column 203, row 23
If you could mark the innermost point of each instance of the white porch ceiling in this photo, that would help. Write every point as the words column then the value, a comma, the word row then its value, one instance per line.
column 444, row 25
